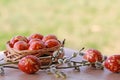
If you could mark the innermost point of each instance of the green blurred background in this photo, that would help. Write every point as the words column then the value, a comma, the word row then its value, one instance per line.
column 84, row 23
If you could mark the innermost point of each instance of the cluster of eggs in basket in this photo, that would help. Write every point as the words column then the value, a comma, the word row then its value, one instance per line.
column 34, row 42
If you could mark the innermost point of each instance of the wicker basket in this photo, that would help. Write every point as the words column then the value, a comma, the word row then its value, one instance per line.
column 44, row 54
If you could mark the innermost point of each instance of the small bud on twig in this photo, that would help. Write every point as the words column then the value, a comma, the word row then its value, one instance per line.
column 74, row 55
column 60, row 61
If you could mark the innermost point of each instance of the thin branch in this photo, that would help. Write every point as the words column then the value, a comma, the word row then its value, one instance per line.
column 11, row 67
column 9, row 63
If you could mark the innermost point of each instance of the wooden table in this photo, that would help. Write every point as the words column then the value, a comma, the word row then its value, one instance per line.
column 86, row 73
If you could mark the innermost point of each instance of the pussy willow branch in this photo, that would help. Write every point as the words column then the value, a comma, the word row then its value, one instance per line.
column 10, row 67
column 9, row 63
column 48, row 67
